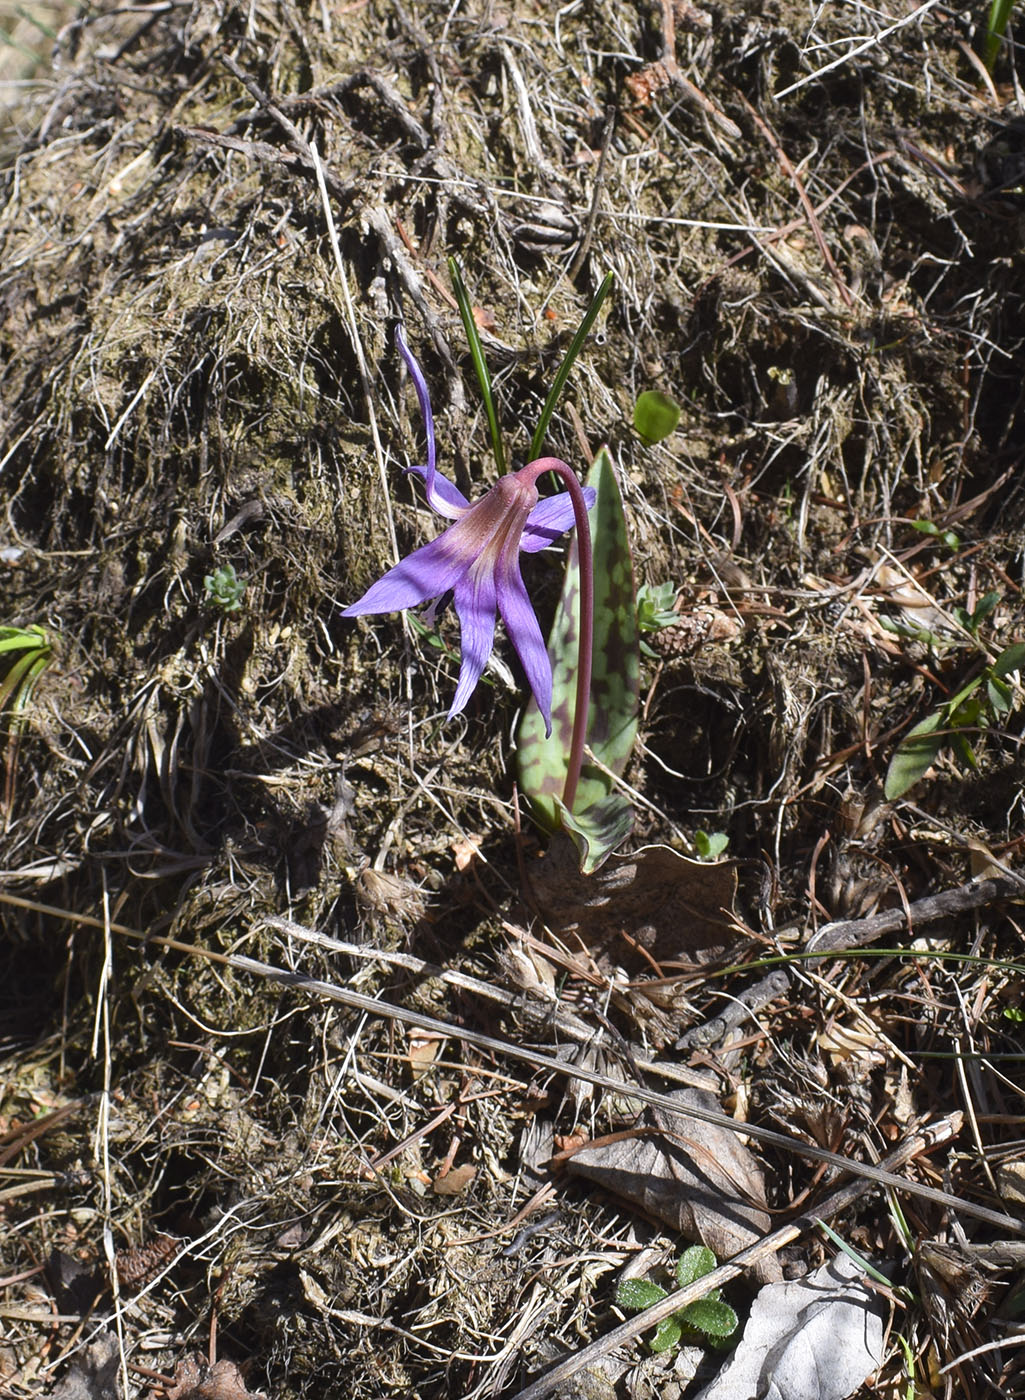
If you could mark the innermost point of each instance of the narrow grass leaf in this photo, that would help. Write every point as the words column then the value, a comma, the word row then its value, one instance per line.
column 480, row 364
column 852, row 1253
column 996, row 28
column 571, row 354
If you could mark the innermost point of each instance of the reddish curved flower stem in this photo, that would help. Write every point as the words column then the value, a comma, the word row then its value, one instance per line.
column 586, row 638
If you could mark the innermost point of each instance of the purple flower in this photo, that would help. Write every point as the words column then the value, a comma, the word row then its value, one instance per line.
column 478, row 557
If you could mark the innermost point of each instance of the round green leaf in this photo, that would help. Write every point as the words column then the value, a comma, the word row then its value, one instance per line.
column 655, row 415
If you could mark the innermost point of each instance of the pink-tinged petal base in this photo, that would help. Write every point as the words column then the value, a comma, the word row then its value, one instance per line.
column 443, row 496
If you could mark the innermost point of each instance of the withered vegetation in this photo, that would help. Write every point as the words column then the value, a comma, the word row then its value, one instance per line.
column 215, row 1183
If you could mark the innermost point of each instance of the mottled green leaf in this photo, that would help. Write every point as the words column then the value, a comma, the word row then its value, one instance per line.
column 637, row 1294
column 655, row 415
column 713, row 1318
column 598, row 831
column 615, row 679
column 694, row 1263
column 914, row 755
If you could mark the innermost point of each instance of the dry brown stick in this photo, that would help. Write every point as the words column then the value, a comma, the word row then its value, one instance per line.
column 371, row 1006
column 298, row 142
column 672, row 70
column 785, row 230
column 846, row 934
column 802, row 194
column 599, row 180
column 934, row 1136
column 855, row 933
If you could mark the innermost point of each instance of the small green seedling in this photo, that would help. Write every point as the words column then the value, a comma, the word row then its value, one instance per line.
column 709, row 845
column 707, row 1319
column 985, row 700
column 655, row 416
column 929, row 527
column 223, row 589
column 655, row 610
column 32, row 650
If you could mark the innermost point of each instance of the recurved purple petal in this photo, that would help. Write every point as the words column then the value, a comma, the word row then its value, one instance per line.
column 442, row 496
column 551, row 518
column 475, row 606
column 524, row 633
column 426, row 573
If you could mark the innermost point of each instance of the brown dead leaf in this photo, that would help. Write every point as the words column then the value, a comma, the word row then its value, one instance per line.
column 194, row 1380
column 455, row 1181
column 697, row 1178
column 655, row 899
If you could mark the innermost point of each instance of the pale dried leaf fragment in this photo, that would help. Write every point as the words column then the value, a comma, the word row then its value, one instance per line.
column 698, row 1178
column 195, row 1380
column 94, row 1375
column 816, row 1339
column 455, row 1181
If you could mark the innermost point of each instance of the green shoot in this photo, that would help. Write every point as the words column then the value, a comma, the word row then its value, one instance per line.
column 707, row 1319
column 480, row 364
column 996, row 28
column 223, row 589
column 575, row 346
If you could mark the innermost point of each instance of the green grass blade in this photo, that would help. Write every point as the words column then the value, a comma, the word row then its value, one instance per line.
column 571, row 354
column 23, row 693
column 14, row 678
column 852, row 1253
column 480, row 365
column 996, row 28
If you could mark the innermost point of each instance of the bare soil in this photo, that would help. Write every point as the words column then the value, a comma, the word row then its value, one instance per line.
column 214, row 1181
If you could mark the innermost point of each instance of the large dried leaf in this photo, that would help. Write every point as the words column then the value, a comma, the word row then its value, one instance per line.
column 696, row 1177
column 816, row 1339
column 655, row 899
column 94, row 1374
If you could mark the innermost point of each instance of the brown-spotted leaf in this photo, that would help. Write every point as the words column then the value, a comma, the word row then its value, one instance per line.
column 615, row 673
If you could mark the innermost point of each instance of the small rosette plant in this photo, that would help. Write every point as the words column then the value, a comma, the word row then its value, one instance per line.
column 708, row 1320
